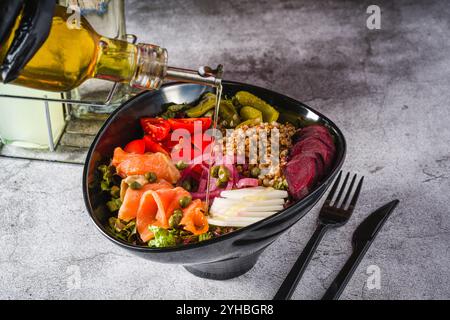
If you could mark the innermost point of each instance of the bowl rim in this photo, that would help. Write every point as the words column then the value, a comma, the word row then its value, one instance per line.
column 226, row 236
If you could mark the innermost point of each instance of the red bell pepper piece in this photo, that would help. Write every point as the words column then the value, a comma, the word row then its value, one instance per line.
column 189, row 124
column 157, row 128
column 153, row 146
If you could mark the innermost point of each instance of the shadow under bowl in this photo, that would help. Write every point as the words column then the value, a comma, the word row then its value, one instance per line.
column 229, row 255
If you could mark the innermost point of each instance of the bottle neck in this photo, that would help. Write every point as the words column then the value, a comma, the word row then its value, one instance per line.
column 151, row 67
column 143, row 66
column 140, row 65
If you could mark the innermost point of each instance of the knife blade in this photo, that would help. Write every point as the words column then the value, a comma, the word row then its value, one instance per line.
column 362, row 238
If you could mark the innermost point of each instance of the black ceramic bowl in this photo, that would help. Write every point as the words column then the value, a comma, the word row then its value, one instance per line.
column 223, row 257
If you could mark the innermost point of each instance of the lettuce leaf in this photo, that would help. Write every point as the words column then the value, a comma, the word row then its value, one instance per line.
column 163, row 238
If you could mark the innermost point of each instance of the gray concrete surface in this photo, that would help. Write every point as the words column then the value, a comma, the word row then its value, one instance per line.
column 387, row 89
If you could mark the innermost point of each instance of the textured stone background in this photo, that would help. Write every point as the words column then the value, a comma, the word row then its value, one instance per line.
column 387, row 89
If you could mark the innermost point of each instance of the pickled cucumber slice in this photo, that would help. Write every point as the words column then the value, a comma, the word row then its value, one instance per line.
column 248, row 113
column 206, row 103
column 228, row 114
column 269, row 113
column 249, row 123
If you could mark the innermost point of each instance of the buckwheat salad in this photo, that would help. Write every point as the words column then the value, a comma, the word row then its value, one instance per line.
column 185, row 180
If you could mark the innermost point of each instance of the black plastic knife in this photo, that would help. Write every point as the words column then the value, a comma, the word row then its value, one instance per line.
column 361, row 241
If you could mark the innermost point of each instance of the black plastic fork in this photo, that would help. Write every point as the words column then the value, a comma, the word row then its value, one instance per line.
column 331, row 216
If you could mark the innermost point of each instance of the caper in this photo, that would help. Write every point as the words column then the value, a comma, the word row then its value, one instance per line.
column 181, row 165
column 223, row 174
column 185, row 201
column 175, row 218
column 255, row 172
column 215, row 171
column 150, row 176
column 187, row 185
column 135, row 185
column 115, row 191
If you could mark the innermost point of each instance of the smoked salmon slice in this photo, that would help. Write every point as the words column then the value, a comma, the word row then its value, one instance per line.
column 130, row 204
column 128, row 164
column 155, row 209
column 194, row 219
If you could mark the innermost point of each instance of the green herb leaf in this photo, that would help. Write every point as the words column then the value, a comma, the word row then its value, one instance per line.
column 123, row 230
column 204, row 236
column 107, row 176
column 163, row 238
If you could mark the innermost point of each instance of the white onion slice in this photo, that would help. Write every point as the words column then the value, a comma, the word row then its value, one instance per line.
column 242, row 207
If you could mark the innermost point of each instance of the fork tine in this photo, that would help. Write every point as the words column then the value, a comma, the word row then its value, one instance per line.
column 356, row 195
column 333, row 188
column 347, row 195
column 335, row 203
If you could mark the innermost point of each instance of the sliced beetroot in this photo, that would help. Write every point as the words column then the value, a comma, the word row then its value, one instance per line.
column 316, row 131
column 320, row 166
column 309, row 159
column 300, row 175
column 315, row 128
column 326, row 138
column 314, row 145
